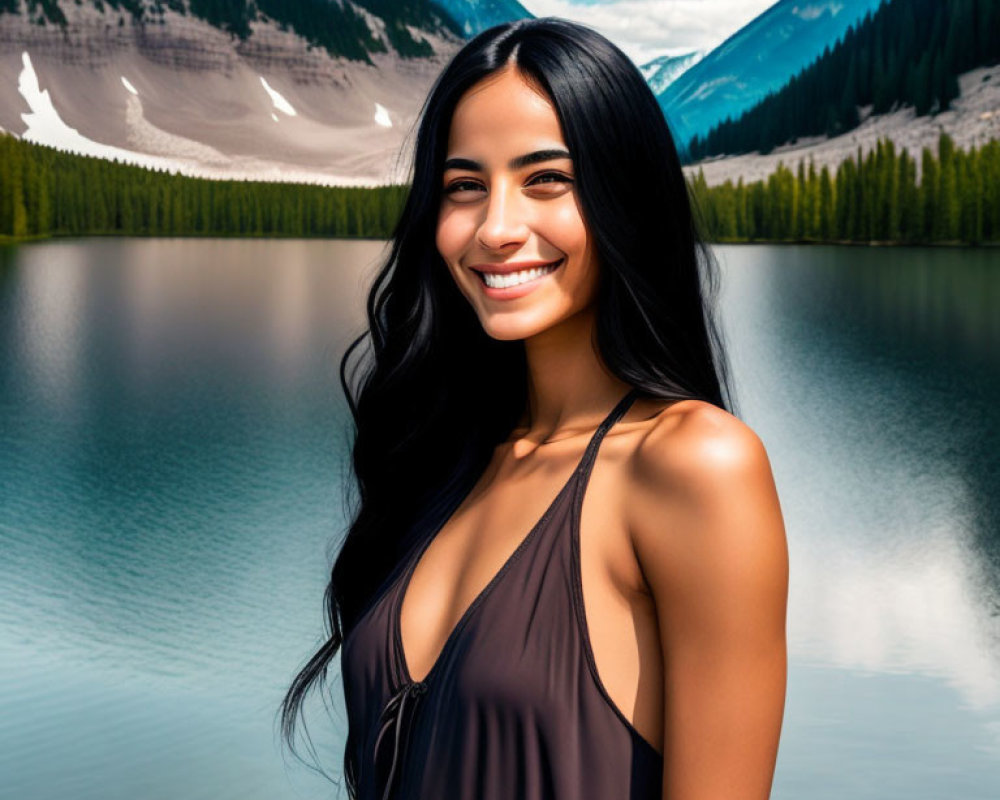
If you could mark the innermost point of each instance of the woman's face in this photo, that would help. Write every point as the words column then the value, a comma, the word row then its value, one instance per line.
column 509, row 210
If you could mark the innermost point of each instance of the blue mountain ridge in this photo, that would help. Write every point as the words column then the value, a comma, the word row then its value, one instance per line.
column 760, row 57
column 475, row 16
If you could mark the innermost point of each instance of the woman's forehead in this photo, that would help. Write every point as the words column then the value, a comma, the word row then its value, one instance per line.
column 504, row 111
column 502, row 94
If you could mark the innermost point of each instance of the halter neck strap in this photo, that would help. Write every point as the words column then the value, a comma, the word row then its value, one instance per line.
column 613, row 416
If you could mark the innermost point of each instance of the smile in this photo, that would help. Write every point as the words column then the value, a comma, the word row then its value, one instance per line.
column 505, row 281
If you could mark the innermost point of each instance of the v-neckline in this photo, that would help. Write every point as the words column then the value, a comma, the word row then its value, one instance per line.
column 407, row 677
column 404, row 674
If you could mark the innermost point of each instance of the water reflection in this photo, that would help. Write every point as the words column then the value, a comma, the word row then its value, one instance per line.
column 942, row 301
column 874, row 381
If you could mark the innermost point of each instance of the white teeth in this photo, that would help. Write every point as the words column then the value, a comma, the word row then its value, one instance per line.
column 496, row 281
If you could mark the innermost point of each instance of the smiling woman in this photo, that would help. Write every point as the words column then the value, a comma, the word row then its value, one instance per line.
column 519, row 191
column 525, row 613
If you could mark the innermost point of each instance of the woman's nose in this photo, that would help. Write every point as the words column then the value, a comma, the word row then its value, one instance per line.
column 504, row 221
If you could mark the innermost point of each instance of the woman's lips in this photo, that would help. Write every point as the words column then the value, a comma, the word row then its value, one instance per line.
column 507, row 267
column 520, row 289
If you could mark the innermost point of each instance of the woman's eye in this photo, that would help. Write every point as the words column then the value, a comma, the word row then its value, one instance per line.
column 459, row 186
column 556, row 176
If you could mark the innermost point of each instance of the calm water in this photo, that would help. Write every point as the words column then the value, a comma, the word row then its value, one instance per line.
column 172, row 445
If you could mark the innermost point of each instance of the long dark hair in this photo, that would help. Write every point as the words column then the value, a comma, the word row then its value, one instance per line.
column 434, row 394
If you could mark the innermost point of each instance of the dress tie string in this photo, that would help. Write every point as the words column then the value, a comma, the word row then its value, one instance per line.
column 392, row 717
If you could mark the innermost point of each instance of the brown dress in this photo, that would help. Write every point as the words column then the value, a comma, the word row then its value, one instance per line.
column 513, row 708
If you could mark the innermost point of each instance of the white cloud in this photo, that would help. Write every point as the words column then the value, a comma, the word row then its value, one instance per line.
column 645, row 29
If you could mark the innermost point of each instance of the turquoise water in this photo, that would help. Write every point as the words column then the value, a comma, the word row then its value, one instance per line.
column 172, row 446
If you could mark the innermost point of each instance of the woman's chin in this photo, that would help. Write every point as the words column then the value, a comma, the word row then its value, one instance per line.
column 509, row 326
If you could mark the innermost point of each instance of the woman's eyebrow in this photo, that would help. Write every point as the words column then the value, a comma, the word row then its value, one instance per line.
column 515, row 163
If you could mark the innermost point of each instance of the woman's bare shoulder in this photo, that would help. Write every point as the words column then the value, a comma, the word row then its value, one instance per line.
column 701, row 492
column 693, row 440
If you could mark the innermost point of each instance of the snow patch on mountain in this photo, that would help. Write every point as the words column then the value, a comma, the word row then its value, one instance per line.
column 816, row 10
column 662, row 71
column 278, row 99
column 146, row 138
column 45, row 126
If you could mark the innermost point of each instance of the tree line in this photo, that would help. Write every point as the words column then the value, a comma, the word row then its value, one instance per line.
column 908, row 53
column 868, row 198
column 46, row 192
column 874, row 197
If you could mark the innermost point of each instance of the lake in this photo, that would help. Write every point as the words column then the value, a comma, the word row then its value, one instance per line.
column 173, row 441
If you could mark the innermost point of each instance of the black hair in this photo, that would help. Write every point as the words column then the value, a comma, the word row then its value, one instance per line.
column 436, row 394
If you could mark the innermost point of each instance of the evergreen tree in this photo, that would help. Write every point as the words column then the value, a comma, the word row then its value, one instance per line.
column 864, row 188
column 811, row 203
column 19, row 220
column 908, row 198
column 948, row 199
column 827, row 217
column 990, row 169
column 929, row 195
column 798, row 218
column 971, row 190
column 890, row 193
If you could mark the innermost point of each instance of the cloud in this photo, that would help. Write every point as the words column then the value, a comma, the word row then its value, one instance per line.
column 645, row 29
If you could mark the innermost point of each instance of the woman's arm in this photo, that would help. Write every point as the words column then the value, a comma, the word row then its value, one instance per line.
column 708, row 532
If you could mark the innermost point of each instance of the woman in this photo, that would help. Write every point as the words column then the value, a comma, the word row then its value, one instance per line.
column 507, row 632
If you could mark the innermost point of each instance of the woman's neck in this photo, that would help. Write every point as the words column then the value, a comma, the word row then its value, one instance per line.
column 569, row 387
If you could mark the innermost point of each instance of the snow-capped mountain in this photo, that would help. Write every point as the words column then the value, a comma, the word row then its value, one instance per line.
column 664, row 70
column 311, row 90
column 755, row 60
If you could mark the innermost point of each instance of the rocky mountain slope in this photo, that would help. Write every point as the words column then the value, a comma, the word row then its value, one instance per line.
column 169, row 89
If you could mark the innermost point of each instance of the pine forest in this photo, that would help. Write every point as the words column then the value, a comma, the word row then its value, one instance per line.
column 872, row 197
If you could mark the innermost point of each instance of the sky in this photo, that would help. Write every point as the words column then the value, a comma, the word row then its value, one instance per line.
column 645, row 29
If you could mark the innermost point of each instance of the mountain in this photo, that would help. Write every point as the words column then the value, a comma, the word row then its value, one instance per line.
column 760, row 57
column 906, row 73
column 475, row 16
column 972, row 119
column 299, row 90
column 664, row 70
column 886, row 61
